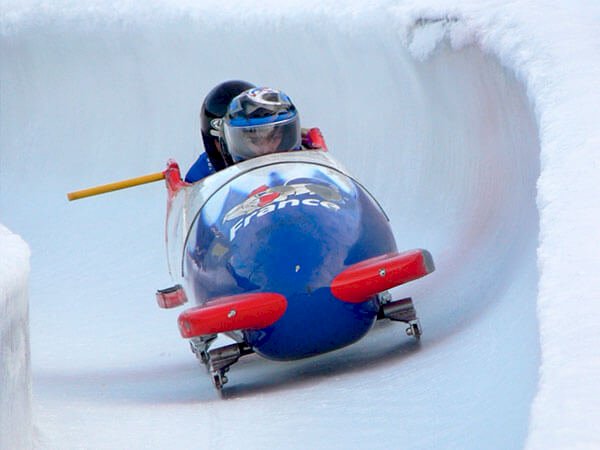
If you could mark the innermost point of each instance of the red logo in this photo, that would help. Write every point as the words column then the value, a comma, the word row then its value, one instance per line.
column 265, row 200
column 264, row 196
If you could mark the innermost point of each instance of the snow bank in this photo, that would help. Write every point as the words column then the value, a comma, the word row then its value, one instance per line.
column 15, row 376
column 553, row 49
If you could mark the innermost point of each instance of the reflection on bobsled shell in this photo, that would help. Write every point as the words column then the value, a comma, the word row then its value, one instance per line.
column 287, row 253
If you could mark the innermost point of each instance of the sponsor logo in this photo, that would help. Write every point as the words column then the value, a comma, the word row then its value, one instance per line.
column 266, row 200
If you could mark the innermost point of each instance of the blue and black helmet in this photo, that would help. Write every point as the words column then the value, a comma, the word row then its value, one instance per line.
column 213, row 109
column 261, row 121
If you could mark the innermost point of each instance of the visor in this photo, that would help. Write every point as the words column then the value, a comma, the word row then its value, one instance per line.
column 251, row 141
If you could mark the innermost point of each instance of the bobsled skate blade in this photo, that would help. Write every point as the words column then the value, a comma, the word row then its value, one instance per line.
column 400, row 311
column 200, row 346
column 221, row 359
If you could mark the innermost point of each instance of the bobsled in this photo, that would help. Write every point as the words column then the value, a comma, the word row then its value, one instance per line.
column 287, row 254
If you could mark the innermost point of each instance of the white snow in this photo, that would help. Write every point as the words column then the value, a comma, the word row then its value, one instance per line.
column 15, row 371
column 474, row 124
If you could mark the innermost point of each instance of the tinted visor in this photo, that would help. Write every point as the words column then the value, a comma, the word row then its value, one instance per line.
column 251, row 141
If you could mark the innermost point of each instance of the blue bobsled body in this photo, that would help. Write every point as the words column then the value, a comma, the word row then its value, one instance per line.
column 288, row 224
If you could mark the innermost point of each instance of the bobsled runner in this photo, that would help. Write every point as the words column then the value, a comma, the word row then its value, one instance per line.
column 286, row 254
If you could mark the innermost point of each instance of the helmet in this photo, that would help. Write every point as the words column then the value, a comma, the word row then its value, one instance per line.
column 213, row 109
column 260, row 121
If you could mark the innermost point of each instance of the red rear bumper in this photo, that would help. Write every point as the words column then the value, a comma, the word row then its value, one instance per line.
column 237, row 312
column 367, row 278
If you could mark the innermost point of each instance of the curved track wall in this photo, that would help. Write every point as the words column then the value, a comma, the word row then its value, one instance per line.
column 448, row 145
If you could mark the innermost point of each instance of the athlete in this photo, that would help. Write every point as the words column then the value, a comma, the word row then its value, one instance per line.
column 240, row 121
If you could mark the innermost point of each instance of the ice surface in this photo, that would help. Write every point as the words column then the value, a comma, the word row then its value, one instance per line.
column 476, row 130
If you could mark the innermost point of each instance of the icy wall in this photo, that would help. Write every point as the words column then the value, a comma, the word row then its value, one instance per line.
column 447, row 144
column 15, row 373
column 444, row 120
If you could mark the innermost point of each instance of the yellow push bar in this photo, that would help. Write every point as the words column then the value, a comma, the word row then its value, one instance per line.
column 103, row 189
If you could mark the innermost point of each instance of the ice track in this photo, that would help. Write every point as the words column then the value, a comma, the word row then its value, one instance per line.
column 449, row 145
